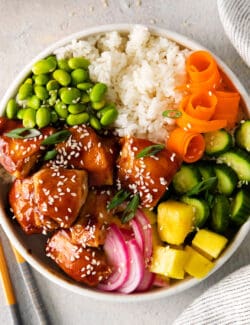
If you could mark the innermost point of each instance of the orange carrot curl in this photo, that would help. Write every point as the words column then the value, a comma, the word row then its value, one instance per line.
column 201, row 105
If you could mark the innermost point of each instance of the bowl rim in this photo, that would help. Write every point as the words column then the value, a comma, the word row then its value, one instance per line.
column 74, row 287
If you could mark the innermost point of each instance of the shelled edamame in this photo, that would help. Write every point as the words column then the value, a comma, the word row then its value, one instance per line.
column 61, row 91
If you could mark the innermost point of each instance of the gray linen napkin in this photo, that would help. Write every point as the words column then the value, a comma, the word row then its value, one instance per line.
column 235, row 18
column 225, row 303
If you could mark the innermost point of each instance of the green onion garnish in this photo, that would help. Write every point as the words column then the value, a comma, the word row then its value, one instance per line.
column 172, row 113
column 50, row 154
column 23, row 133
column 118, row 199
column 131, row 208
column 202, row 186
column 150, row 150
column 56, row 138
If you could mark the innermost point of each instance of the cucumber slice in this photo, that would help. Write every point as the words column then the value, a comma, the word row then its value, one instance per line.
column 241, row 207
column 227, row 179
column 186, row 178
column 206, row 169
column 220, row 213
column 242, row 135
column 201, row 210
column 217, row 142
column 239, row 161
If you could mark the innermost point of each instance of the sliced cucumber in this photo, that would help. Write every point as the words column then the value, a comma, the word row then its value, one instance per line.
column 206, row 169
column 239, row 161
column 220, row 213
column 227, row 179
column 217, row 142
column 242, row 135
column 241, row 207
column 201, row 210
column 186, row 178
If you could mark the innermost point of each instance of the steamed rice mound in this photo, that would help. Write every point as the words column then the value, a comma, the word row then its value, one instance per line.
column 142, row 72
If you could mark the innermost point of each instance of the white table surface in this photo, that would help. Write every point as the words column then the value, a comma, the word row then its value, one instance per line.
column 26, row 27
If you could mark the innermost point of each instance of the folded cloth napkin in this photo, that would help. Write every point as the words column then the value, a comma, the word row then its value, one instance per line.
column 226, row 303
column 235, row 18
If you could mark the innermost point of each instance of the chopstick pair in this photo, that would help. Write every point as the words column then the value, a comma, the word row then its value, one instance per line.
column 31, row 287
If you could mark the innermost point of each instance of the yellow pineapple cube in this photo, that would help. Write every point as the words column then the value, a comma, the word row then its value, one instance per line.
column 168, row 262
column 155, row 236
column 196, row 264
column 209, row 243
column 152, row 217
column 175, row 221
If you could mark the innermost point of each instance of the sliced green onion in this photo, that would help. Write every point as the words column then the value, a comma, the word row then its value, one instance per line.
column 172, row 113
column 202, row 186
column 131, row 208
column 118, row 199
column 50, row 154
column 23, row 133
column 56, row 138
column 150, row 150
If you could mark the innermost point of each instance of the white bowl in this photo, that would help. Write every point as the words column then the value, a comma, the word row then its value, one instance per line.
column 32, row 247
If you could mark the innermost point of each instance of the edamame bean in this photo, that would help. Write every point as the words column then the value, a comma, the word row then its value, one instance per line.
column 94, row 122
column 70, row 95
column 76, row 119
column 29, row 118
column 85, row 98
column 62, row 76
column 20, row 113
column 54, row 117
column 44, row 66
column 11, row 109
column 63, row 64
column 28, row 81
column 41, row 92
column 97, row 92
column 52, row 59
column 25, row 91
column 79, row 76
column 52, row 85
column 75, row 63
column 33, row 102
column 61, row 110
column 43, row 117
column 53, row 97
column 76, row 108
column 109, row 116
column 85, row 85
column 98, row 105
column 41, row 79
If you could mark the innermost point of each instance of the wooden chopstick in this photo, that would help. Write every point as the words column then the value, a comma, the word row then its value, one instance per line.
column 32, row 290
column 8, row 289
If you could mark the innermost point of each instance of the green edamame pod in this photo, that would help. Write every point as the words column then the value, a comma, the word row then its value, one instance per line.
column 94, row 122
column 54, row 117
column 11, row 108
column 29, row 118
column 20, row 113
column 79, row 76
column 28, row 81
column 52, row 85
column 85, row 98
column 25, row 91
column 76, row 119
column 41, row 79
column 62, row 76
column 44, row 66
column 41, row 92
column 70, row 95
column 61, row 109
column 43, row 117
column 52, row 59
column 53, row 97
column 63, row 64
column 98, row 105
column 75, row 63
column 85, row 85
column 33, row 102
column 97, row 92
column 109, row 116
column 76, row 108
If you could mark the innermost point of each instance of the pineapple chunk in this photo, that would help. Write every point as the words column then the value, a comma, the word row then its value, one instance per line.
column 196, row 264
column 168, row 262
column 209, row 243
column 175, row 221
column 156, row 241
column 152, row 217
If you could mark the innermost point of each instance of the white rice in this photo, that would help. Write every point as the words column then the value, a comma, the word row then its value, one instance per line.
column 142, row 72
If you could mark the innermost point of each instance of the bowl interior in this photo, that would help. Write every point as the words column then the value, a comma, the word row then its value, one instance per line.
column 32, row 247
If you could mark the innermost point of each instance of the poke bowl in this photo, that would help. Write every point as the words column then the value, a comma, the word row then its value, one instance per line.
column 125, row 154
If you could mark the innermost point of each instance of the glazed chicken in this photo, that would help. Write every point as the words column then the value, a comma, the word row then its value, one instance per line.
column 149, row 176
column 84, row 149
column 19, row 156
column 50, row 199
column 87, row 265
